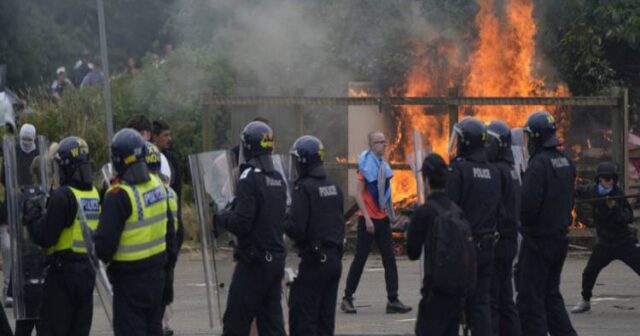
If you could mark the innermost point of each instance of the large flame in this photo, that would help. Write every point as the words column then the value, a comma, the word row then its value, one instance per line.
column 501, row 63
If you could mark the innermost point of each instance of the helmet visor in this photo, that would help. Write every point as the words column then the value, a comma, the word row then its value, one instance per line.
column 454, row 142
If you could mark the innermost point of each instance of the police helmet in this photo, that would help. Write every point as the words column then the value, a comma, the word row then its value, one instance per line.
column 541, row 129
column 607, row 169
column 153, row 158
column 468, row 136
column 72, row 158
column 128, row 153
column 257, row 139
column 308, row 153
column 498, row 141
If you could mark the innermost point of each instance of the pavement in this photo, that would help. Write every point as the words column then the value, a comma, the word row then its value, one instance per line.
column 615, row 305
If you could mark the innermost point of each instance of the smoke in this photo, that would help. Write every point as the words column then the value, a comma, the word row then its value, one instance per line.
column 318, row 46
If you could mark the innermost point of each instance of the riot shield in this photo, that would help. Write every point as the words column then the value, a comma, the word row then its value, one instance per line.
column 284, row 170
column 103, row 285
column 520, row 154
column 415, row 162
column 213, row 187
column 27, row 276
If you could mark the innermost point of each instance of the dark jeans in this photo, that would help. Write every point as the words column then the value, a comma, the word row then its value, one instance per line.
column 312, row 304
column 382, row 237
column 478, row 305
column 67, row 303
column 255, row 292
column 138, row 304
column 540, row 303
column 627, row 252
column 505, row 320
column 439, row 313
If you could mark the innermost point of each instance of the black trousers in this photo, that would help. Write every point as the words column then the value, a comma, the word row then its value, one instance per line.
column 26, row 327
column 67, row 303
column 504, row 314
column 5, row 327
column 540, row 303
column 138, row 303
column 312, row 304
column 255, row 292
column 478, row 304
column 628, row 252
column 439, row 313
column 382, row 237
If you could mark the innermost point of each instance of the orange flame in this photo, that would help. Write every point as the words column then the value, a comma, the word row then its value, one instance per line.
column 501, row 63
column 574, row 220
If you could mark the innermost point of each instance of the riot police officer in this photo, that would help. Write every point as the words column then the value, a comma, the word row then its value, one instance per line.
column 475, row 186
column 505, row 319
column 547, row 199
column 136, row 236
column 67, row 304
column 256, row 217
column 316, row 225
column 154, row 163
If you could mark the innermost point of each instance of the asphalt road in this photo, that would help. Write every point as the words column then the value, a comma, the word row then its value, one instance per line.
column 615, row 306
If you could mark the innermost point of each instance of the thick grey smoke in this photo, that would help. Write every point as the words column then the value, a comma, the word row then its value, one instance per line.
column 315, row 45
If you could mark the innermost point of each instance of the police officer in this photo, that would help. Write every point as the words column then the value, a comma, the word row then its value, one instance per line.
column 316, row 225
column 475, row 186
column 505, row 321
column 67, row 305
column 256, row 218
column 154, row 161
column 136, row 236
column 611, row 218
column 547, row 199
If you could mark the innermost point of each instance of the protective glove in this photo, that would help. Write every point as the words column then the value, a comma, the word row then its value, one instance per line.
column 33, row 211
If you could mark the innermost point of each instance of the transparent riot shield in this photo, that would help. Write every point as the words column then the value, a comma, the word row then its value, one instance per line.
column 106, row 175
column 103, row 285
column 519, row 150
column 415, row 162
column 213, row 187
column 280, row 165
column 27, row 275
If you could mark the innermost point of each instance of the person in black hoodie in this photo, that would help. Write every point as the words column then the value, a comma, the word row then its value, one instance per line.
column 316, row 224
column 438, row 312
column 615, row 240
column 505, row 320
column 545, row 215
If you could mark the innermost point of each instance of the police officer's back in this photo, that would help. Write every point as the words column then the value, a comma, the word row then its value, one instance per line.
column 256, row 218
column 316, row 225
column 547, row 200
column 68, row 295
column 136, row 236
column 504, row 313
column 475, row 186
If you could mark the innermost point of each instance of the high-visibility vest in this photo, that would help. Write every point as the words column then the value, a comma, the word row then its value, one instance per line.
column 144, row 232
column 173, row 207
column 71, row 237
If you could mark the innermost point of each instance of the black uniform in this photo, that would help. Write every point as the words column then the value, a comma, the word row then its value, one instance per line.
column 316, row 225
column 67, row 304
column 615, row 239
column 547, row 200
column 505, row 320
column 140, row 283
column 257, row 219
column 475, row 185
column 438, row 313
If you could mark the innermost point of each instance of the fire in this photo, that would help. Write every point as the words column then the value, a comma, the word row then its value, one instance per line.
column 358, row 92
column 501, row 63
column 574, row 220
